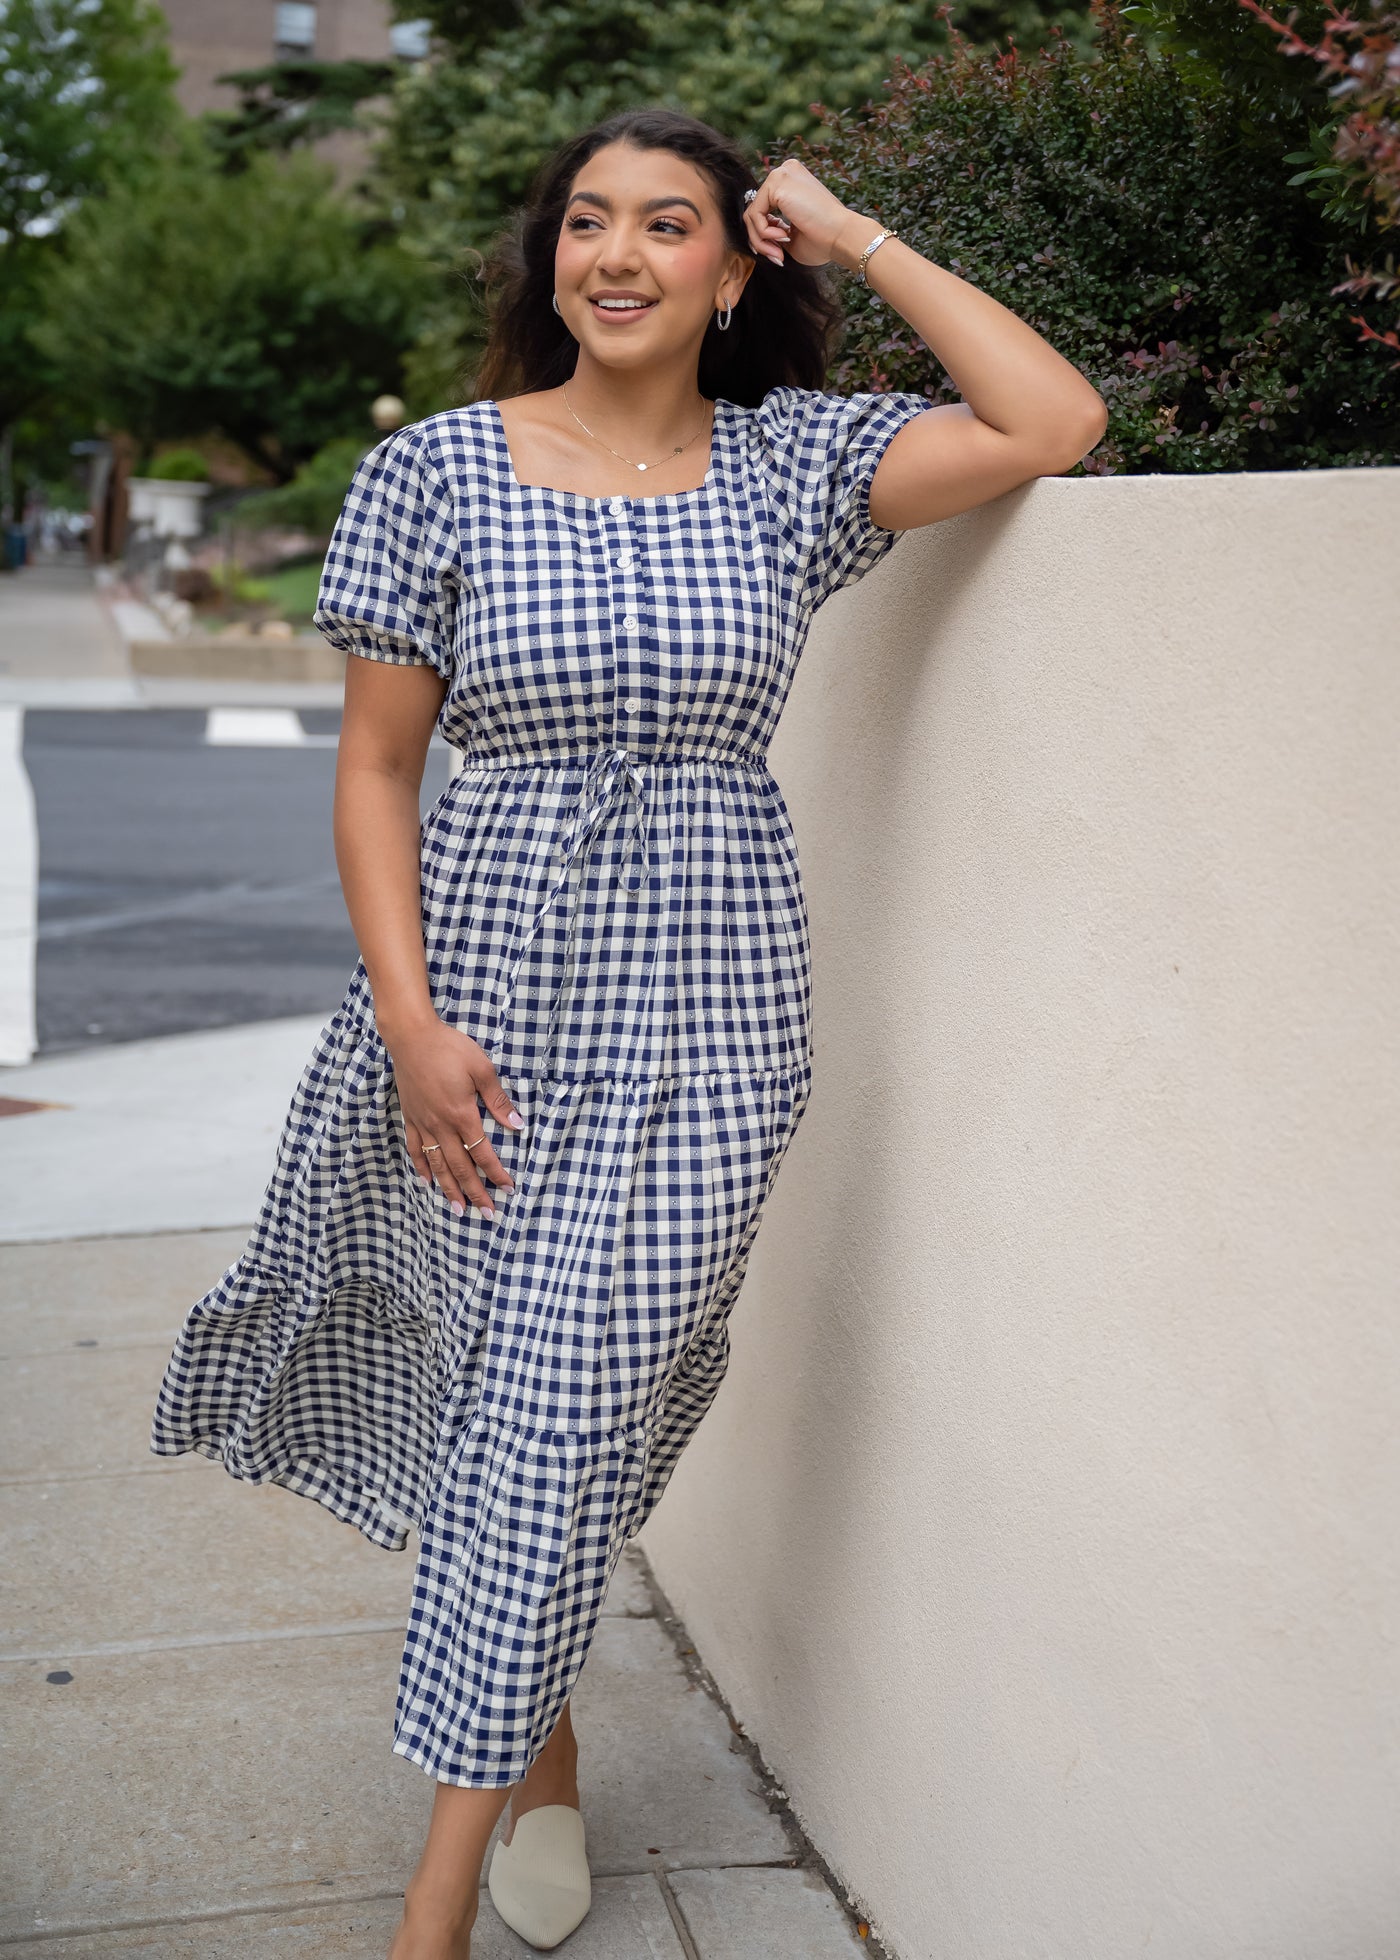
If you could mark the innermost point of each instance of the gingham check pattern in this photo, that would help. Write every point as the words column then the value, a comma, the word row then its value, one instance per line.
column 613, row 907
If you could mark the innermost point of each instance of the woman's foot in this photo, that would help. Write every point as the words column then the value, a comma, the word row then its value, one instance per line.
column 434, row 1930
column 540, row 1882
column 440, row 1900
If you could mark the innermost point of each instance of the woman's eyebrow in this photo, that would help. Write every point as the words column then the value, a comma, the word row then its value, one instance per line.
column 652, row 203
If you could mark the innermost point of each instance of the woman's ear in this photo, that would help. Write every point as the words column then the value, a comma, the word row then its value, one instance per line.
column 740, row 268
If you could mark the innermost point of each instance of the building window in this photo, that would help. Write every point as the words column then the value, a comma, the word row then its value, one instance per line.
column 409, row 39
column 295, row 32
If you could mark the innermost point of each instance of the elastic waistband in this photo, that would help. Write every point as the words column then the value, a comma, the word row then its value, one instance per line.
column 566, row 758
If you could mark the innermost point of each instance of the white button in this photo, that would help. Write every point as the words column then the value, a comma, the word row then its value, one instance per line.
column 624, row 559
column 617, row 506
column 629, row 623
column 632, row 704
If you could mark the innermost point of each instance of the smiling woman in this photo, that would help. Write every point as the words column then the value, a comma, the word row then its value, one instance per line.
column 597, row 579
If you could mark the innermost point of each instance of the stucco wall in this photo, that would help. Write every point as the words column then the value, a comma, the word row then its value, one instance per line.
column 1044, row 1530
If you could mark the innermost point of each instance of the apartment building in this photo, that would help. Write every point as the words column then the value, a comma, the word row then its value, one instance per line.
column 209, row 38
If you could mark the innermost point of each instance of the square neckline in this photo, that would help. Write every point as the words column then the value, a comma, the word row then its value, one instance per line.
column 718, row 434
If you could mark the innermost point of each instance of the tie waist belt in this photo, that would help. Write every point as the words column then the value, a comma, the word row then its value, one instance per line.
column 613, row 776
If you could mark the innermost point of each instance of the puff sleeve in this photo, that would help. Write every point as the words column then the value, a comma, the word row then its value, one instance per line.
column 822, row 451
column 388, row 587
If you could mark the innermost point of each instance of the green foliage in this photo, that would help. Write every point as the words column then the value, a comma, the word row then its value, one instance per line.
column 293, row 103
column 466, row 137
column 466, row 132
column 83, row 90
column 179, row 466
column 1279, row 102
column 43, row 436
column 312, row 500
column 462, row 25
column 192, row 301
column 235, row 586
column 1221, row 51
column 1116, row 207
column 292, row 589
column 1359, row 59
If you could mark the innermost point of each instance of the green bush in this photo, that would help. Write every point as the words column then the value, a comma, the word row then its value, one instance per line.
column 1114, row 205
column 180, row 466
column 257, row 305
column 312, row 500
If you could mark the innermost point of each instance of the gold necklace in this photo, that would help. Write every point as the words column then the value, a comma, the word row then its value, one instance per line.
column 679, row 449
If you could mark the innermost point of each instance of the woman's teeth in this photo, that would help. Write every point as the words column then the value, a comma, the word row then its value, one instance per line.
column 624, row 305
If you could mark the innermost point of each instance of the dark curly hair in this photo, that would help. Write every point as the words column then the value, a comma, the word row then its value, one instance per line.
column 784, row 329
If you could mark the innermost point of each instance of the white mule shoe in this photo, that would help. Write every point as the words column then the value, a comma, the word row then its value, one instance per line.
column 540, row 1883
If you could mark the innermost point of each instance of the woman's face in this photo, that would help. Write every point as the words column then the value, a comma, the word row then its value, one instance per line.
column 643, row 225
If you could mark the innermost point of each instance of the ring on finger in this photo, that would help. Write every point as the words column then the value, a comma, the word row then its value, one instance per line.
column 472, row 1146
column 429, row 1148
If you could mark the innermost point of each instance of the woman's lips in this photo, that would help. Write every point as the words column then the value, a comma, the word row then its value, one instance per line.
column 611, row 313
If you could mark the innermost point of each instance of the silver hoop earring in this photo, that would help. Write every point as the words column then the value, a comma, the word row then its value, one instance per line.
column 723, row 325
column 556, row 305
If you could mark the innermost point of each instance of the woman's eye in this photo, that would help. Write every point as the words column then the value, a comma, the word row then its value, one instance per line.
column 578, row 224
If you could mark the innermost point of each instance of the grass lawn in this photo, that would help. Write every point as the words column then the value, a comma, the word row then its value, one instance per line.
column 292, row 590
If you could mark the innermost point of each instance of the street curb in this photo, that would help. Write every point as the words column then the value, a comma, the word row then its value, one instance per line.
column 306, row 658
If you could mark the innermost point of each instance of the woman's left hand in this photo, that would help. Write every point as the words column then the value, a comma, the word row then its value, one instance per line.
column 814, row 215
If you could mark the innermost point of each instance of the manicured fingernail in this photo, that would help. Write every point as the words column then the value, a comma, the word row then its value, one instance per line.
column 488, row 1211
column 459, row 1208
column 516, row 1120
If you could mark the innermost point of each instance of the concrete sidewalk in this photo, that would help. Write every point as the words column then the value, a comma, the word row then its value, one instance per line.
column 199, row 1675
column 64, row 627
column 55, row 629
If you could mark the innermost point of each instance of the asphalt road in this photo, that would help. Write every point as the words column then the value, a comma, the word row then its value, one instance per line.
column 184, row 883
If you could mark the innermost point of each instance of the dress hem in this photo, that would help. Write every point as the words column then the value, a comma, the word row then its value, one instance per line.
column 315, row 1479
column 412, row 1754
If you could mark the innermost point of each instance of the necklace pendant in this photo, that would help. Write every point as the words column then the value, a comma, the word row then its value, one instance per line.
column 641, row 466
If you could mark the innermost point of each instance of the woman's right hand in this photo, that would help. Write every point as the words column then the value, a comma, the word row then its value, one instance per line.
column 440, row 1073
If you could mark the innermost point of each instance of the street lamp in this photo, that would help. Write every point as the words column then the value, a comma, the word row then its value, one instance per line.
column 387, row 412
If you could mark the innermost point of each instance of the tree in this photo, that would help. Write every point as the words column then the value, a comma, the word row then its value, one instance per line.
column 466, row 132
column 293, row 103
column 86, row 88
column 191, row 300
column 463, row 25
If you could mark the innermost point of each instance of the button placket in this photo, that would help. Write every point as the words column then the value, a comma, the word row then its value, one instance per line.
column 627, row 651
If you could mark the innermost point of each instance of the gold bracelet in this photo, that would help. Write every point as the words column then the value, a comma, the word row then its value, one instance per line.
column 878, row 239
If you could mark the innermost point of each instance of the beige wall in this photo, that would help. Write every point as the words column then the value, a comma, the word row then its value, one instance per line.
column 1044, row 1530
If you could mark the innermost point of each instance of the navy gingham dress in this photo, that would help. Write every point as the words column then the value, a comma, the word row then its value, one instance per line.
column 612, row 906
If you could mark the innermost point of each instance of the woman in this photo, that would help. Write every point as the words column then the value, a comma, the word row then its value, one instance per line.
column 499, row 1314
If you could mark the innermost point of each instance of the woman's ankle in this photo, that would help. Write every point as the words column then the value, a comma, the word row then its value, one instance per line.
column 554, row 1783
column 439, row 1908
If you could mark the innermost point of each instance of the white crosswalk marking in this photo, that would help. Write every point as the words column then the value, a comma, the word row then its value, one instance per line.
column 259, row 728
column 19, row 886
